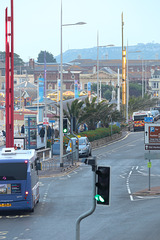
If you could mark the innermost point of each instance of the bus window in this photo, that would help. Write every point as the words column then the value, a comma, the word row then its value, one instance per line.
column 13, row 171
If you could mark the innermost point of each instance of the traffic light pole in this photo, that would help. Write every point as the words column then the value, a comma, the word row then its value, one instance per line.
column 77, row 156
column 72, row 145
column 93, row 163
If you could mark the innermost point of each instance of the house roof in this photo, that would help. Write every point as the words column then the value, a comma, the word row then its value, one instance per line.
column 27, row 87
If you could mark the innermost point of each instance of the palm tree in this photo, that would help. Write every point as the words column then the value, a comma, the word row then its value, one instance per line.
column 94, row 113
column 74, row 110
column 90, row 113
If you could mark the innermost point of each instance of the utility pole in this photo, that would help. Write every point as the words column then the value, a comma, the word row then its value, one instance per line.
column 123, row 75
column 118, row 94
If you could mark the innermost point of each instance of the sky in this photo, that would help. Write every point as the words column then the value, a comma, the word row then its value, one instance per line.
column 37, row 24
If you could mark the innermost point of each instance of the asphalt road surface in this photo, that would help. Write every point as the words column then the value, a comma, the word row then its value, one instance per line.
column 130, row 216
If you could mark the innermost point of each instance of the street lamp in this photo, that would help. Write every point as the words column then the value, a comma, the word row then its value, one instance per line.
column 110, row 45
column 128, row 82
column 61, row 92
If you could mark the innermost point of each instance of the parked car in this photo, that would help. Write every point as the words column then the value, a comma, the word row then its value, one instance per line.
column 85, row 148
column 155, row 114
column 68, row 150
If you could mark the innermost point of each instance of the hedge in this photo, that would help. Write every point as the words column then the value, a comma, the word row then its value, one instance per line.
column 96, row 134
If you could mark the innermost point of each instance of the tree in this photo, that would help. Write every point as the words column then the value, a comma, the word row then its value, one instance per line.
column 49, row 57
column 135, row 104
column 74, row 110
column 135, row 89
column 90, row 113
column 17, row 60
column 94, row 113
column 106, row 90
column 108, row 94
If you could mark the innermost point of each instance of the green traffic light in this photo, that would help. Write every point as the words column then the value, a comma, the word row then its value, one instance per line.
column 99, row 198
column 65, row 130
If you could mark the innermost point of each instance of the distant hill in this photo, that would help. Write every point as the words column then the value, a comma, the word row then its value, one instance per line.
column 145, row 51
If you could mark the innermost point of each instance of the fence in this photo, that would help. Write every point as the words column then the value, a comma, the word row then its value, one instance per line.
column 69, row 159
column 49, row 163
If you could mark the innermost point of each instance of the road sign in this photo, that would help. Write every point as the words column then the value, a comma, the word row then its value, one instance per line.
column 152, row 134
column 152, row 147
column 52, row 121
column 45, row 121
column 148, row 119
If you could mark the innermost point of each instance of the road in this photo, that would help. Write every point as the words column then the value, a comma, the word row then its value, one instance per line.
column 63, row 199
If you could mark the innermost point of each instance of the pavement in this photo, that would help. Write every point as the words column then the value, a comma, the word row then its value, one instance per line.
column 146, row 192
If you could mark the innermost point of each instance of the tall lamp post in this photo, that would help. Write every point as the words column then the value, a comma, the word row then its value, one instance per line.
column 110, row 45
column 61, row 92
column 128, row 82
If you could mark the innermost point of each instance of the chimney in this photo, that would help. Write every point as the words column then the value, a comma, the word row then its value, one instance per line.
column 31, row 63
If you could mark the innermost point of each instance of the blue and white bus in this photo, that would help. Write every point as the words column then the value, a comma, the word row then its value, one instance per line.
column 19, row 181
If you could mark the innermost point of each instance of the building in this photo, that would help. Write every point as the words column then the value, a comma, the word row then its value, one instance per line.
column 138, row 70
column 154, row 84
column 70, row 74
column 106, row 76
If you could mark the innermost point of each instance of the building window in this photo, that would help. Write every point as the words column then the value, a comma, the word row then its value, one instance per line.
column 72, row 76
column 50, row 86
column 3, row 85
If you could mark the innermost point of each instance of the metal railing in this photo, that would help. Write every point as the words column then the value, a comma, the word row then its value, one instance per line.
column 69, row 159
column 49, row 163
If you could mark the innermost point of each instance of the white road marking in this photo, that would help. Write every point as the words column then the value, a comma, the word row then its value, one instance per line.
column 127, row 184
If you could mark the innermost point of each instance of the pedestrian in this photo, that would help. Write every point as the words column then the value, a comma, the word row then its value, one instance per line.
column 22, row 129
column 52, row 132
column 41, row 134
column 15, row 147
column 4, row 133
column 49, row 132
column 56, row 132
column 19, row 147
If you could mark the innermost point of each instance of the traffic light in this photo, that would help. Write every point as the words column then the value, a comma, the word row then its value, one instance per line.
column 65, row 125
column 103, row 185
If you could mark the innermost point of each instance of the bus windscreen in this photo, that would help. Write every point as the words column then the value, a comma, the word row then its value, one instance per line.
column 13, row 171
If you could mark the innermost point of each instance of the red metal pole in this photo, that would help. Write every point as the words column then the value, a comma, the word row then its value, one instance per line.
column 9, row 80
column 12, row 78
